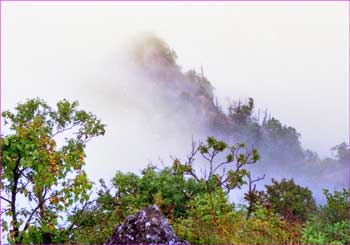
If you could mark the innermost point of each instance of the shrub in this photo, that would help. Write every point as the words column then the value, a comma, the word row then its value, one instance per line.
column 291, row 201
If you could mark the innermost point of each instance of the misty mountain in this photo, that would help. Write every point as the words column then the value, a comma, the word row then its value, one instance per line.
column 190, row 97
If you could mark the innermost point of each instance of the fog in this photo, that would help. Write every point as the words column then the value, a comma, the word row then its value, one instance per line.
column 292, row 58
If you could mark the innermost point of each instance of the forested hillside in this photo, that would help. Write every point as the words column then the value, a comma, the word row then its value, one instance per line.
column 279, row 144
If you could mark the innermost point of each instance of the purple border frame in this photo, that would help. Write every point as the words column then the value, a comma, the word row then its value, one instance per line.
column 175, row 1
column 161, row 1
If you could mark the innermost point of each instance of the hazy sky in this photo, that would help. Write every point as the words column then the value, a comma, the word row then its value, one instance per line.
column 291, row 57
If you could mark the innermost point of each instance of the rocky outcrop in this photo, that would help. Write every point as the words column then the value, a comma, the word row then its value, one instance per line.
column 148, row 226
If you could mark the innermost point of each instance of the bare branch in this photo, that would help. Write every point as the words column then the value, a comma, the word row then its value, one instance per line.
column 258, row 179
column 34, row 211
column 5, row 199
column 195, row 148
column 66, row 129
column 220, row 165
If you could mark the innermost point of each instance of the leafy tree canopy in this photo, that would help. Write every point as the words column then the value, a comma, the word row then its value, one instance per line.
column 291, row 201
column 42, row 176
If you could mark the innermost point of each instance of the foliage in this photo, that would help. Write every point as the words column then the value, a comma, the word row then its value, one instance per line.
column 93, row 224
column 241, row 113
column 316, row 232
column 205, row 213
column 267, row 228
column 342, row 152
column 291, row 201
column 232, row 227
column 271, row 137
column 337, row 208
column 331, row 224
column 130, row 192
column 43, row 158
column 169, row 190
column 282, row 138
column 235, row 158
column 38, row 173
column 174, row 189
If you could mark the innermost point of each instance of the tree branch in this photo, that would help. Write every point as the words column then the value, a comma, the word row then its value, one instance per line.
column 82, row 210
column 258, row 179
column 5, row 199
column 65, row 129
column 34, row 211
column 220, row 165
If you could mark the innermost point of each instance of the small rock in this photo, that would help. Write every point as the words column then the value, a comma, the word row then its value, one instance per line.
column 148, row 226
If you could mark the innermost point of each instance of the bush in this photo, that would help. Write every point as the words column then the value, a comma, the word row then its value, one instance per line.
column 331, row 224
column 232, row 227
column 337, row 208
column 293, row 202
column 318, row 233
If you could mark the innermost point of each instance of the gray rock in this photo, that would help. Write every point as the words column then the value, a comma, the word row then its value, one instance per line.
column 148, row 226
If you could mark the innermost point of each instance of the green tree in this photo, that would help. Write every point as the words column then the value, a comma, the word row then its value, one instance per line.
column 42, row 177
column 221, row 165
column 241, row 113
column 129, row 193
column 291, row 201
column 282, row 141
column 337, row 207
column 168, row 189
column 174, row 189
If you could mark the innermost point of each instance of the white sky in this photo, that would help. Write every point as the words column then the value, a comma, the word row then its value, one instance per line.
column 291, row 57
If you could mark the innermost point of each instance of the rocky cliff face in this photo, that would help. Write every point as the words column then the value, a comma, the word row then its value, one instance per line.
column 148, row 226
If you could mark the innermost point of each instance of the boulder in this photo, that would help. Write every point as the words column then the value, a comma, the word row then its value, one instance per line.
column 148, row 226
